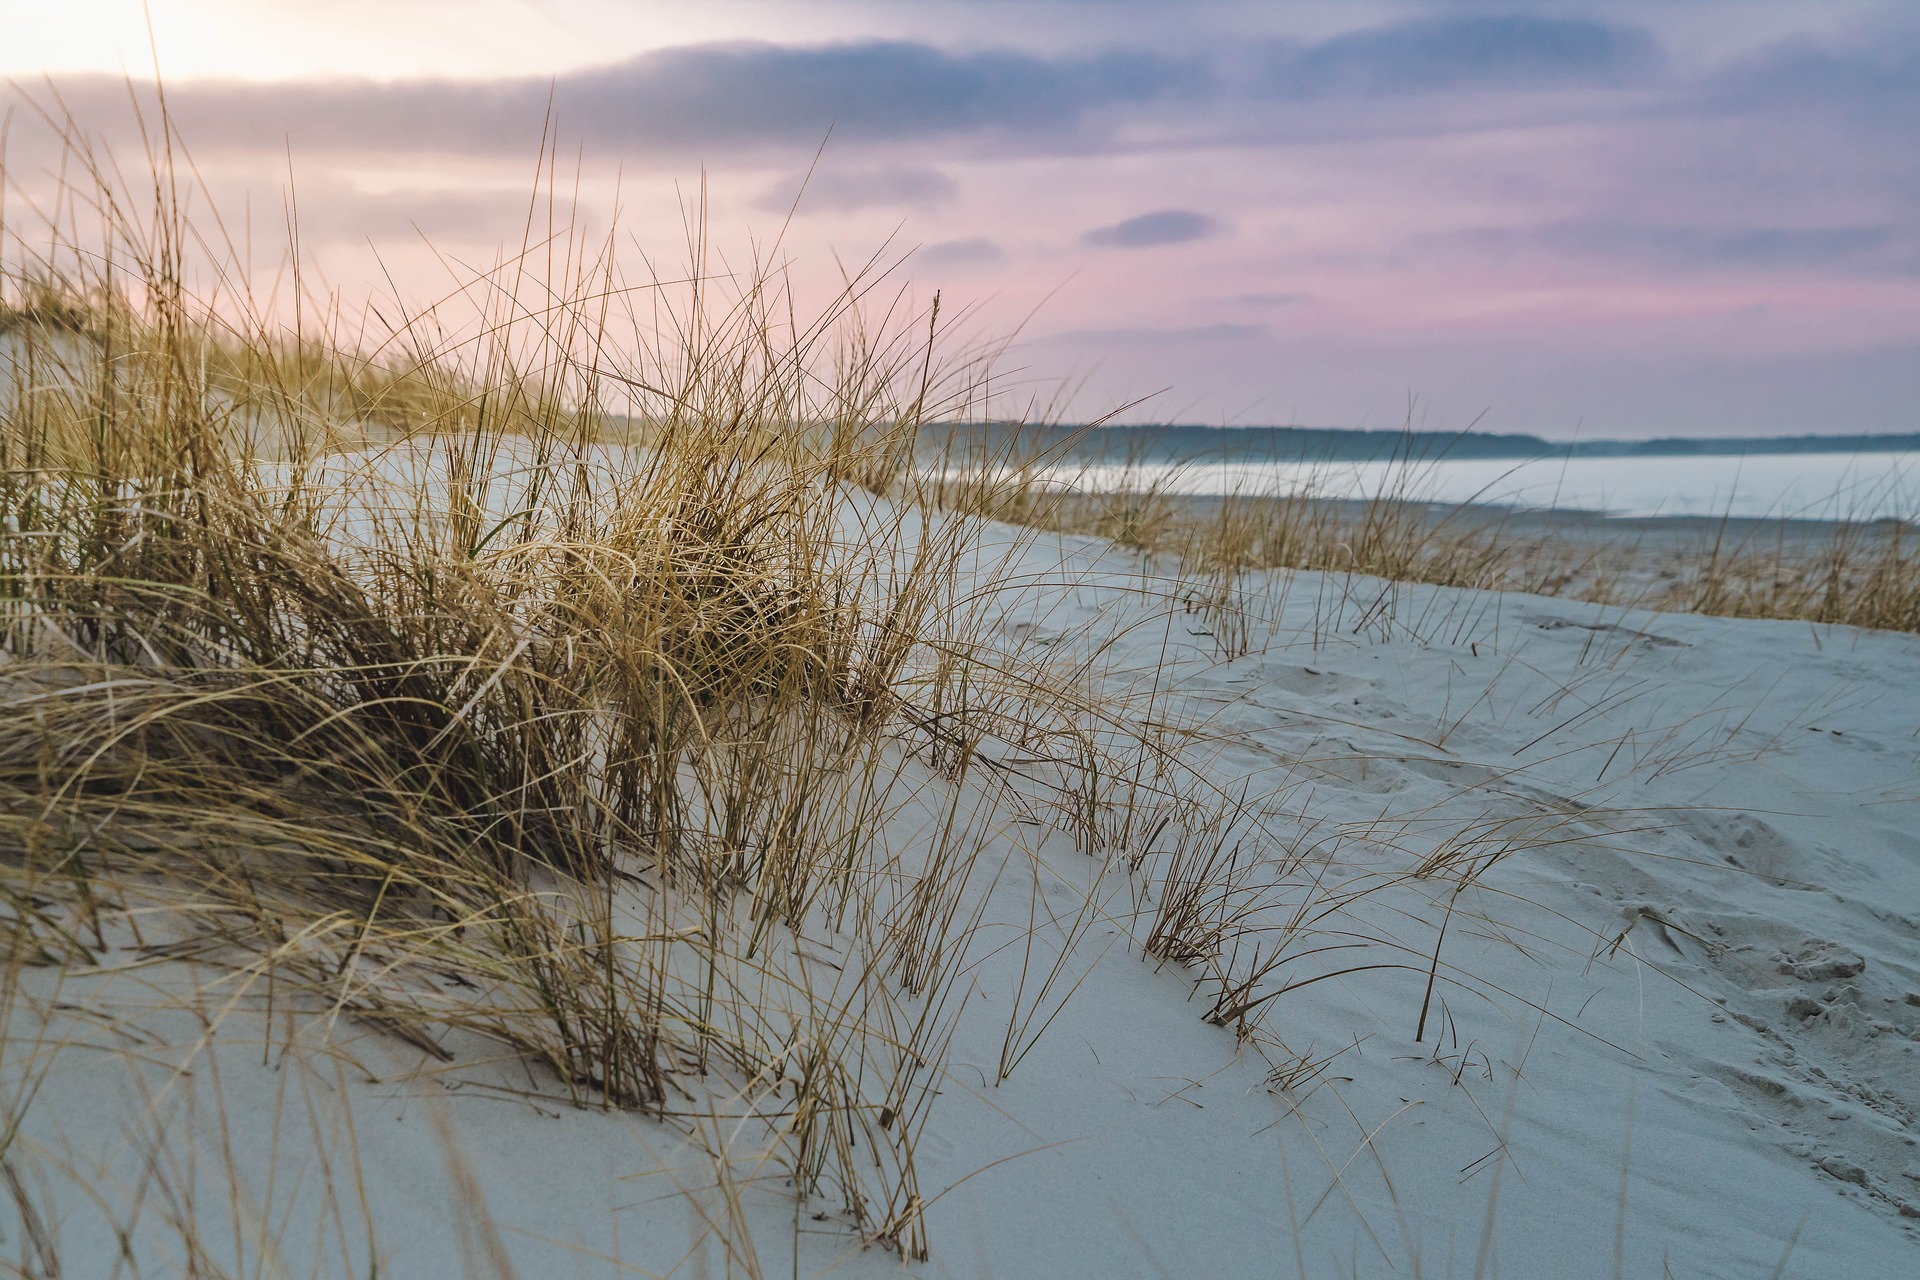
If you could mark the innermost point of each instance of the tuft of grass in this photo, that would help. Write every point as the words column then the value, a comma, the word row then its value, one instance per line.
column 543, row 673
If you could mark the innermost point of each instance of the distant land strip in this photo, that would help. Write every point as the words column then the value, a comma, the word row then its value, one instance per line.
column 979, row 441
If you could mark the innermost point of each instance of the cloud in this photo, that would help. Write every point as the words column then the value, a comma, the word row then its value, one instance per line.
column 1856, row 247
column 845, row 190
column 959, row 253
column 693, row 98
column 1430, row 54
column 1801, row 72
column 719, row 98
column 1151, row 230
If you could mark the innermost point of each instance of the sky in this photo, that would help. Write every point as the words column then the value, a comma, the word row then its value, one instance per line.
column 1570, row 217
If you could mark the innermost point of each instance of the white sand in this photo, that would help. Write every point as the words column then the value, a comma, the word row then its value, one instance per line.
column 1676, row 1026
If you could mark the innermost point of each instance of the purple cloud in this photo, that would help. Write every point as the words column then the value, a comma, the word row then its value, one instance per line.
column 1152, row 230
column 1431, row 54
column 728, row 96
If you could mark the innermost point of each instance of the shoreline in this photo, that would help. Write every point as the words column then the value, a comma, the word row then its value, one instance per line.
column 1730, row 565
column 1560, row 520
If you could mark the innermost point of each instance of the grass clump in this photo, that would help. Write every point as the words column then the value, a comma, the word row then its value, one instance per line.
column 487, row 679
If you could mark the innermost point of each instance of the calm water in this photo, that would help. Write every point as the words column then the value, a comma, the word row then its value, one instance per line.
column 1857, row 486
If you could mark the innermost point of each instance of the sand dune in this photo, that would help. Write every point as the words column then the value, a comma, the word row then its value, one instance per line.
column 1651, row 883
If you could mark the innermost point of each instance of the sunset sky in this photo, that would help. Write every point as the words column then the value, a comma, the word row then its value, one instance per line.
column 1616, row 219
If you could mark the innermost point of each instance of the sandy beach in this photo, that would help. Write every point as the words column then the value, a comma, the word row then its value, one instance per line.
column 1583, row 941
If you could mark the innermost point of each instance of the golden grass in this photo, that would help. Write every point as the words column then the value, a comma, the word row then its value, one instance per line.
column 359, row 663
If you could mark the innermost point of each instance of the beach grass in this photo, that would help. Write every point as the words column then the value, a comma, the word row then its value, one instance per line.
column 499, row 683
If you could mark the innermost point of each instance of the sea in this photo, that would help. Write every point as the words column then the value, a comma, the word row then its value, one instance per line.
column 1850, row 486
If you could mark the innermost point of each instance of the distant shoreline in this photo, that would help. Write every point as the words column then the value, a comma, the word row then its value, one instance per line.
column 1185, row 442
column 1581, row 524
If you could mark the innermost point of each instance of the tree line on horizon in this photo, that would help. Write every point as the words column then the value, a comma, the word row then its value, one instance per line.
column 1181, row 442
